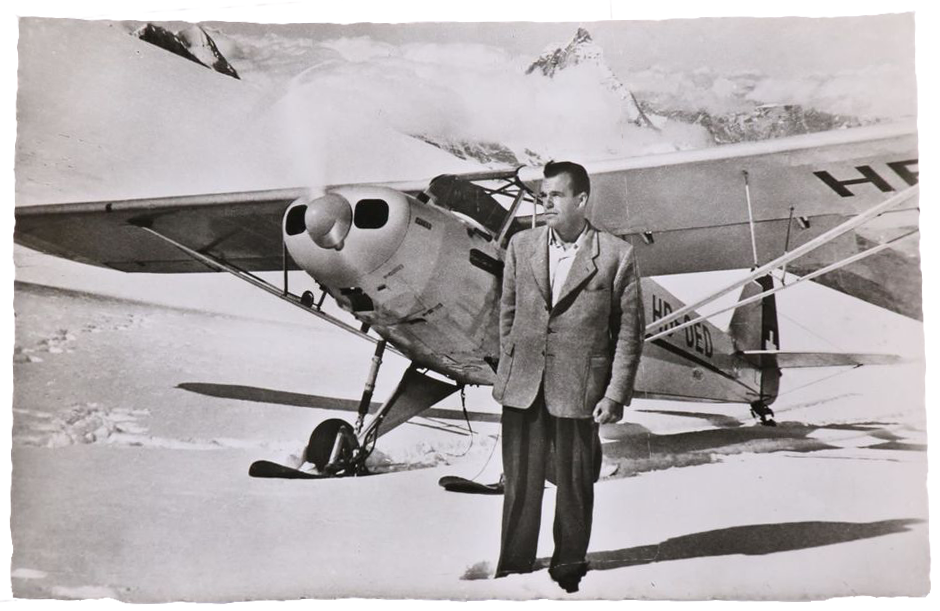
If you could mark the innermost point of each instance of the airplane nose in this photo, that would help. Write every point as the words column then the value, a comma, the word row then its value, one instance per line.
column 328, row 219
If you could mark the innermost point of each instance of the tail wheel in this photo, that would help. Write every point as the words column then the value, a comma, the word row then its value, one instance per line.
column 766, row 415
column 332, row 446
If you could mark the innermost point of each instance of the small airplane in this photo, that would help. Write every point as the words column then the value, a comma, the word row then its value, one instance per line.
column 418, row 264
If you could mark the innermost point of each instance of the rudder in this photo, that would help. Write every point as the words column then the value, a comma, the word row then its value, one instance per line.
column 754, row 327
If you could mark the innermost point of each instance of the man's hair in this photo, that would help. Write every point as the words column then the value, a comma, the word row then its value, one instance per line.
column 580, row 181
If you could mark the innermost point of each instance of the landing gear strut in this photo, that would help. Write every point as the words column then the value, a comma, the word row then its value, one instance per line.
column 766, row 415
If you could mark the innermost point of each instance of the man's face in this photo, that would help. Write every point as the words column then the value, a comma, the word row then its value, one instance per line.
column 564, row 210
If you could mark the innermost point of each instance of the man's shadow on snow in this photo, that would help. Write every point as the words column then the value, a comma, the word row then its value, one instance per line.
column 752, row 540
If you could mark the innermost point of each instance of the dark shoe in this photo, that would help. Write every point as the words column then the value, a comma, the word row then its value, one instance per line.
column 505, row 572
column 569, row 576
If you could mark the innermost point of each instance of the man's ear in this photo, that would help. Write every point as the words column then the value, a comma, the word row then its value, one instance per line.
column 584, row 199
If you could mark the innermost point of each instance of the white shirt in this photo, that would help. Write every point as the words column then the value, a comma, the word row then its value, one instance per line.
column 561, row 255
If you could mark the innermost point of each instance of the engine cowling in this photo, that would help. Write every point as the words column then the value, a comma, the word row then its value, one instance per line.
column 344, row 235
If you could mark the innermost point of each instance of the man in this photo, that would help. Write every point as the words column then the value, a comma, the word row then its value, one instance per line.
column 571, row 333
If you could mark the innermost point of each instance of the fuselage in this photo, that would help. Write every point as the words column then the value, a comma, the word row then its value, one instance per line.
column 428, row 280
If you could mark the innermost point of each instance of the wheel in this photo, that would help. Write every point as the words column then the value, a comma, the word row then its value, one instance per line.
column 328, row 435
column 307, row 299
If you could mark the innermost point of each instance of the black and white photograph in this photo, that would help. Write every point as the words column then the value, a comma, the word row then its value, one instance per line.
column 600, row 307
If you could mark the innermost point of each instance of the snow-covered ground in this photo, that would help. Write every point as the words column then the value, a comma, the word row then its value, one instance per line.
column 135, row 424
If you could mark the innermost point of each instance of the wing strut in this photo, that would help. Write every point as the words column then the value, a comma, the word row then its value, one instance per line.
column 796, row 253
column 266, row 286
column 507, row 222
column 786, row 245
column 284, row 256
column 750, row 216
column 767, row 293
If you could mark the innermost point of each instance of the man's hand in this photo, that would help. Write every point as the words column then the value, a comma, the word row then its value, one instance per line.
column 608, row 411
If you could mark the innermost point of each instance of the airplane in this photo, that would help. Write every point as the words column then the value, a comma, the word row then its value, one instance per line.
column 418, row 264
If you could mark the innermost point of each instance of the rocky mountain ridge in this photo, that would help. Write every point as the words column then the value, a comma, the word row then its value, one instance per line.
column 192, row 43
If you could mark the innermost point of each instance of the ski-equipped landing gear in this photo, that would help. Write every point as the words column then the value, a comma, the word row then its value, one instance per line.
column 334, row 450
column 766, row 415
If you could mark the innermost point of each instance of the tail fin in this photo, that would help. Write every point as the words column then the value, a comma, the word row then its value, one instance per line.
column 754, row 329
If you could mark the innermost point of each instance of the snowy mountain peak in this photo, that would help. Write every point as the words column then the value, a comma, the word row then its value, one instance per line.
column 193, row 43
column 583, row 51
column 582, row 36
column 579, row 50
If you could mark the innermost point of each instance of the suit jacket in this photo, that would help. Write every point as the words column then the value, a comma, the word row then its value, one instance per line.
column 585, row 346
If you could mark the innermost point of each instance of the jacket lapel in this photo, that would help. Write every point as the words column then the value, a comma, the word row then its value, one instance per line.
column 583, row 266
column 538, row 258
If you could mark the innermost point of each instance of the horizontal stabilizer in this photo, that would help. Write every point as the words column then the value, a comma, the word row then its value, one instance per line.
column 786, row 360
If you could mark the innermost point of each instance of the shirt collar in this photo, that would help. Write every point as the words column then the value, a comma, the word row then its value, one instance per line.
column 556, row 242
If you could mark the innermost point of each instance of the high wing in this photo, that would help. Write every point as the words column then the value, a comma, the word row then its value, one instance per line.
column 684, row 212
column 688, row 211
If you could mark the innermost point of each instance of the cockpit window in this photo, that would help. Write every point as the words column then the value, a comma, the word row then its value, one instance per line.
column 469, row 199
column 370, row 213
column 295, row 220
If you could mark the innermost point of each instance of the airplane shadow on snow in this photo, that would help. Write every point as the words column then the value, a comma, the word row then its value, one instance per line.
column 631, row 448
column 280, row 397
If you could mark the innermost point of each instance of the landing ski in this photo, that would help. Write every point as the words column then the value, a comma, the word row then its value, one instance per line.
column 452, row 483
column 266, row 468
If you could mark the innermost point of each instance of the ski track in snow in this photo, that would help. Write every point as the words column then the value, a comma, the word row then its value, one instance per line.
column 93, row 424
column 65, row 340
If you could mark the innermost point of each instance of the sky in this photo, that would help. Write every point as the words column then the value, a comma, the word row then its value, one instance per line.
column 324, row 97
column 824, row 44
column 860, row 65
